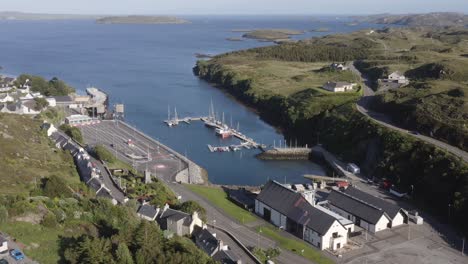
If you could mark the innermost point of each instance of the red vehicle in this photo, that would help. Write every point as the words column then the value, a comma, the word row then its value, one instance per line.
column 342, row 184
column 386, row 184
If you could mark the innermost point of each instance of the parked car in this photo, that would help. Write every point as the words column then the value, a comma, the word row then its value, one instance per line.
column 3, row 261
column 16, row 254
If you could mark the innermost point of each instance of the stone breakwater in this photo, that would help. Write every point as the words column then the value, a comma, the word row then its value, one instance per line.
column 286, row 154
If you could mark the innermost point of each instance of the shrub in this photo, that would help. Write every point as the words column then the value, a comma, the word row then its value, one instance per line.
column 103, row 154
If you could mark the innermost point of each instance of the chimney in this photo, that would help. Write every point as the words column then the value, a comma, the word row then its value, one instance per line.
column 166, row 206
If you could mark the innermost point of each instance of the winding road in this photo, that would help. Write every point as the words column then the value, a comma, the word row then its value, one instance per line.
column 363, row 107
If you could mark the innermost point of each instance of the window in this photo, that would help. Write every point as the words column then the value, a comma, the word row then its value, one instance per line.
column 335, row 235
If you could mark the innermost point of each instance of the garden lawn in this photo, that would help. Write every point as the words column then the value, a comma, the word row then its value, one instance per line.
column 295, row 245
column 219, row 198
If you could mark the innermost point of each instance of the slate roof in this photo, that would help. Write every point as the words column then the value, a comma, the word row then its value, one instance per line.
column 389, row 208
column 242, row 197
column 175, row 215
column 205, row 240
column 225, row 257
column 104, row 193
column 295, row 206
column 370, row 213
column 148, row 211
column 63, row 99
column 94, row 184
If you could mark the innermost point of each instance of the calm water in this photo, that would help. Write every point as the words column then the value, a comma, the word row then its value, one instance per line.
column 148, row 67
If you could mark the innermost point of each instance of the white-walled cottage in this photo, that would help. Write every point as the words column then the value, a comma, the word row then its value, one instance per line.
column 289, row 210
column 365, row 210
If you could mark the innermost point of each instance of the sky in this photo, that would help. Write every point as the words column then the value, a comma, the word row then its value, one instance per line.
column 222, row 7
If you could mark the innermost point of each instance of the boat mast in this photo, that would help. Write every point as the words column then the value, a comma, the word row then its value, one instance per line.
column 168, row 112
column 175, row 113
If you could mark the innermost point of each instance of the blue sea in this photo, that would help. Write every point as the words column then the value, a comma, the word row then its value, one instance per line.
column 149, row 67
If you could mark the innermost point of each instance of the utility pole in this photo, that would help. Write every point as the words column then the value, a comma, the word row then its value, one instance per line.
column 409, row 230
column 463, row 246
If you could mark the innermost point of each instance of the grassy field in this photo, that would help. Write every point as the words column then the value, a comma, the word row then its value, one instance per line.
column 294, row 245
column 40, row 243
column 26, row 153
column 283, row 77
column 219, row 198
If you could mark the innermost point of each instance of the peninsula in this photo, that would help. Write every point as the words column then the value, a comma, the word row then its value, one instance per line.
column 271, row 34
column 294, row 86
column 437, row 19
column 141, row 20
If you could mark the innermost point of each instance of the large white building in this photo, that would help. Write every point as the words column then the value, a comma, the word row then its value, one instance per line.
column 289, row 210
column 365, row 210
column 338, row 86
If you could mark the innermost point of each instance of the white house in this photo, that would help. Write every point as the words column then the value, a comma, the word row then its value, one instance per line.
column 52, row 102
column 3, row 246
column 338, row 86
column 289, row 210
column 338, row 66
column 49, row 128
column 28, row 96
column 365, row 210
column 6, row 98
column 397, row 77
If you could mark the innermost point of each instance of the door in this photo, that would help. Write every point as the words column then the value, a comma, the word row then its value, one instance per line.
column 266, row 214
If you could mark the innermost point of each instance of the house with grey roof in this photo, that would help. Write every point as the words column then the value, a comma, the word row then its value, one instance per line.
column 365, row 210
column 338, row 86
column 291, row 211
column 214, row 247
column 178, row 222
column 148, row 212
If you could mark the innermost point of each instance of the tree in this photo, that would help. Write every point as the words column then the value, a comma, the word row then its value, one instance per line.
column 50, row 220
column 103, row 154
column 96, row 250
column 191, row 206
column 55, row 187
column 72, row 132
column 148, row 243
column 41, row 103
column 123, row 255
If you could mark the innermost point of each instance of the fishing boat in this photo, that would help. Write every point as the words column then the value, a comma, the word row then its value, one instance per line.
column 223, row 132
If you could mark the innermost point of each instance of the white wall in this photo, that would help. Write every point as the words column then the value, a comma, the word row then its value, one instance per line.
column 381, row 224
column 398, row 219
column 329, row 242
column 276, row 218
column 4, row 247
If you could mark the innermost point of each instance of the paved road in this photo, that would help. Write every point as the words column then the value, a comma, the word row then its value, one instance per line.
column 248, row 236
column 114, row 136
column 363, row 107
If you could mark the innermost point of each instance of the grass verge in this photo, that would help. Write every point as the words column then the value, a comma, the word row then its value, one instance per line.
column 295, row 245
column 219, row 198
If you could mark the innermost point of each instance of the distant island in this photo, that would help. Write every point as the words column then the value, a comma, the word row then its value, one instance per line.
column 438, row 19
column 36, row 16
column 272, row 34
column 320, row 30
column 141, row 20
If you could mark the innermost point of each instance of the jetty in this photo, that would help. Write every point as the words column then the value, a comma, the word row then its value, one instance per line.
column 212, row 122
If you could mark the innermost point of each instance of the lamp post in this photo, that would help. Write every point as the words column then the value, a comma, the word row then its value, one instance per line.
column 449, row 208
